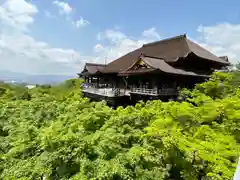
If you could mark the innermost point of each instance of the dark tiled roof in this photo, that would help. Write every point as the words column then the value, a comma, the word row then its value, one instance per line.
column 92, row 68
column 160, row 65
column 139, row 71
column 225, row 58
column 203, row 53
column 168, row 49
column 82, row 74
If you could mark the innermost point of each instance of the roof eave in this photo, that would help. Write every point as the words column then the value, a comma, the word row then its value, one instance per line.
column 127, row 73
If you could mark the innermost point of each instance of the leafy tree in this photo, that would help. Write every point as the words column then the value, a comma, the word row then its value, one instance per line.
column 55, row 133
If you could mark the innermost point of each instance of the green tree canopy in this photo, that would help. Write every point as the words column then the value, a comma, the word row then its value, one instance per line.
column 58, row 134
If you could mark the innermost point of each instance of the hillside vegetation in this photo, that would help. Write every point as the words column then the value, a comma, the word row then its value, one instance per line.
column 56, row 134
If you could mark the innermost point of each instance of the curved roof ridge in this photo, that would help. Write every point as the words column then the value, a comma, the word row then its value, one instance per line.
column 167, row 68
column 139, row 57
column 171, row 50
column 93, row 68
column 95, row 64
column 155, row 57
column 225, row 58
column 161, row 65
column 202, row 52
column 163, row 40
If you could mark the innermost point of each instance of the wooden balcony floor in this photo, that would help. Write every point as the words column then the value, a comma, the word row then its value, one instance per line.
column 155, row 92
column 108, row 92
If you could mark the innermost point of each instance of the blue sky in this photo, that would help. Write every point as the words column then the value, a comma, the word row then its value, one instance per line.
column 58, row 37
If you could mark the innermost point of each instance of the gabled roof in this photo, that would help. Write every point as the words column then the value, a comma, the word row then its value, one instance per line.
column 225, row 58
column 93, row 68
column 158, row 64
column 170, row 50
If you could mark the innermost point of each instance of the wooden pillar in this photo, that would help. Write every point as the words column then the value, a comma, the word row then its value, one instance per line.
column 97, row 82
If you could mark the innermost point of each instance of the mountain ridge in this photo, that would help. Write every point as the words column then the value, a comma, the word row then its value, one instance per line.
column 17, row 77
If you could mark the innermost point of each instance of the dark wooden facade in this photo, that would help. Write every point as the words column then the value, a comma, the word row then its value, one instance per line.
column 155, row 71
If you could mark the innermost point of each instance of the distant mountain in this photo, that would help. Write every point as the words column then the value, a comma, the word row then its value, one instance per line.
column 32, row 79
column 11, row 76
column 46, row 79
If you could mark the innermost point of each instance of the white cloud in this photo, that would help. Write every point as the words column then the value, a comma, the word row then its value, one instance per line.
column 81, row 23
column 117, row 44
column 112, row 36
column 22, row 53
column 17, row 13
column 67, row 10
column 221, row 39
column 151, row 33
column 64, row 7
column 49, row 15
column 98, row 48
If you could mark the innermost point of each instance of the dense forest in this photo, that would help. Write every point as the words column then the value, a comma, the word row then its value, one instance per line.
column 54, row 133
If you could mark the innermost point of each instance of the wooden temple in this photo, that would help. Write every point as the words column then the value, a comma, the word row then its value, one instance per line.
column 156, row 70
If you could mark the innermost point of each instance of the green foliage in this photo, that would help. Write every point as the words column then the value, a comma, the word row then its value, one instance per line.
column 14, row 92
column 55, row 133
column 235, row 82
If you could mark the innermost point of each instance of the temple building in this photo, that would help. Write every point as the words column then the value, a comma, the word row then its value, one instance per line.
column 156, row 70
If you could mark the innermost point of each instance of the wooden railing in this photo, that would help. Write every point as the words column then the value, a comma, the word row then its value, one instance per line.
column 95, row 85
column 144, row 91
column 161, row 91
column 91, row 88
column 116, row 92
